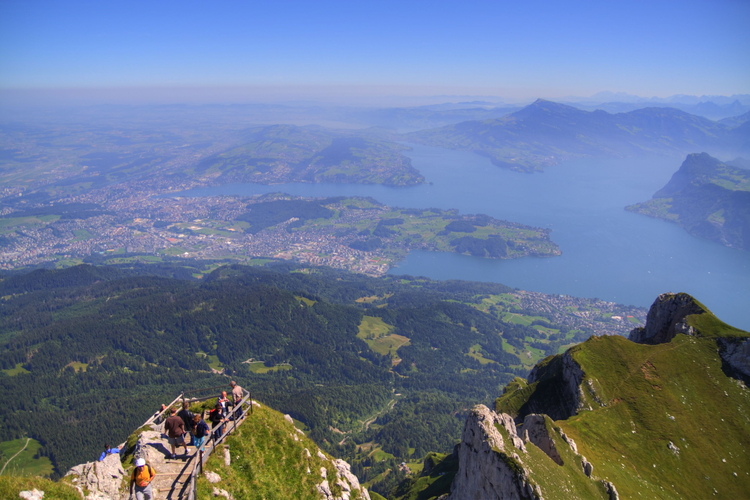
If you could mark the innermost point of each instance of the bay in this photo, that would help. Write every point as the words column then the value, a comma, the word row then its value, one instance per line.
column 608, row 252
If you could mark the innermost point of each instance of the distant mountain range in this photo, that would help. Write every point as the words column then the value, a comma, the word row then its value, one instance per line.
column 707, row 197
column 546, row 133
column 708, row 109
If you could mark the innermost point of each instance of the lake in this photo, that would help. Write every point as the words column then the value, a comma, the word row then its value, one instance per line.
column 607, row 252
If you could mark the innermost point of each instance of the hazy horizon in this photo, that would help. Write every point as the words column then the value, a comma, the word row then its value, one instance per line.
column 374, row 54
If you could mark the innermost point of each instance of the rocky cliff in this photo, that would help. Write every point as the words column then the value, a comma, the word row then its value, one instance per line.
column 496, row 461
column 666, row 318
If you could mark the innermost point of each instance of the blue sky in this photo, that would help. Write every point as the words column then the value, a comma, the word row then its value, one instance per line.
column 504, row 48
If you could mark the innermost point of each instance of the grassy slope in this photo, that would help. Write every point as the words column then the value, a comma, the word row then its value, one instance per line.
column 269, row 462
column 644, row 397
column 11, row 486
column 653, row 395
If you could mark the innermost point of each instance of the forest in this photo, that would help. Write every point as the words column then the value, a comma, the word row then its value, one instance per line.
column 89, row 352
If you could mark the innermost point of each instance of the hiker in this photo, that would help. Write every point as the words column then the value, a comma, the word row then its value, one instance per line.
column 159, row 415
column 141, row 479
column 224, row 402
column 217, row 418
column 108, row 450
column 187, row 418
column 237, row 395
column 175, row 429
column 201, row 430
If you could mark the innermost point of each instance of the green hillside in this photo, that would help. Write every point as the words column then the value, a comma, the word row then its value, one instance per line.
column 269, row 462
column 708, row 198
column 658, row 421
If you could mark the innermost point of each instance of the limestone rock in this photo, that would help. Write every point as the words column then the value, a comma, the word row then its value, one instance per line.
column 674, row 449
column 325, row 490
column 735, row 352
column 212, row 477
column 102, row 479
column 348, row 481
column 666, row 318
column 535, row 431
column 289, row 419
column 487, row 468
column 217, row 492
column 150, row 447
column 34, row 494
column 570, row 442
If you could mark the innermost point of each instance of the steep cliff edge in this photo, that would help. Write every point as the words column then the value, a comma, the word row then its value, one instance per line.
column 668, row 417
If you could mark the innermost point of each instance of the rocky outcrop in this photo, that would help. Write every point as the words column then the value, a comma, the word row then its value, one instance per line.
column 535, row 431
column 559, row 392
column 102, row 480
column 666, row 318
column 347, row 483
column 489, row 465
column 735, row 354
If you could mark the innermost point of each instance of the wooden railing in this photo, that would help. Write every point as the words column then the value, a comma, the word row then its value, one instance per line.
column 199, row 459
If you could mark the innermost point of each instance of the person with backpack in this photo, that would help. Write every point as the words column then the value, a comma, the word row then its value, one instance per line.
column 216, row 416
column 201, row 431
column 140, row 481
column 187, row 418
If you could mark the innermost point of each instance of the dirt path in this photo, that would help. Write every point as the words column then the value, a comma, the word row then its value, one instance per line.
column 14, row 456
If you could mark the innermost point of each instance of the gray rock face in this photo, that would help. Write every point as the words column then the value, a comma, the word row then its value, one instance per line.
column 735, row 352
column 490, row 468
column 611, row 491
column 569, row 395
column 666, row 318
column 344, row 479
column 588, row 468
column 102, row 479
column 535, row 431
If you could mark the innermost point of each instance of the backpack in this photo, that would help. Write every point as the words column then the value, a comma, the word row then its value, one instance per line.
column 201, row 429
column 143, row 477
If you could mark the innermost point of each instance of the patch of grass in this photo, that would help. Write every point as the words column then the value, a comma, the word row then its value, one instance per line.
column 475, row 352
column 16, row 370
column 372, row 328
column 260, row 367
column 11, row 486
column 78, row 366
column 23, row 463
column 305, row 300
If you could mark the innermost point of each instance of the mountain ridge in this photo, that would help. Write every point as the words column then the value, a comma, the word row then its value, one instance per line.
column 667, row 419
column 546, row 133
